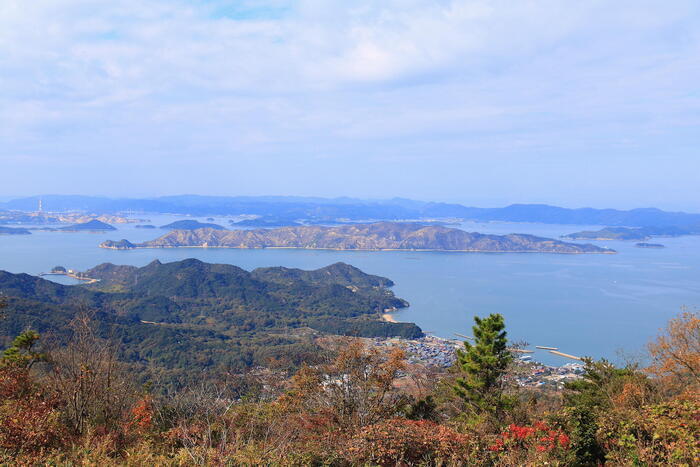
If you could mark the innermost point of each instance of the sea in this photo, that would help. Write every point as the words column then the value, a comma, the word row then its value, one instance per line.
column 601, row 306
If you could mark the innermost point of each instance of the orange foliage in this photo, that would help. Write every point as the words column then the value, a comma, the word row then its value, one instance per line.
column 141, row 416
column 677, row 353
column 29, row 419
column 404, row 441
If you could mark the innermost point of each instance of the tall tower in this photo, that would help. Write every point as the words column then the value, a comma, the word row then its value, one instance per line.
column 41, row 207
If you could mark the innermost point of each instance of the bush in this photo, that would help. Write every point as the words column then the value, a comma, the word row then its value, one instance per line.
column 410, row 442
column 535, row 444
column 29, row 418
column 660, row 434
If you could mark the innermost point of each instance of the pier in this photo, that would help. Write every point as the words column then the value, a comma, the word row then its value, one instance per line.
column 562, row 354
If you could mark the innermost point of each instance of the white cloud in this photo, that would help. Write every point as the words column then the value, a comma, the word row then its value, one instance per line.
column 454, row 79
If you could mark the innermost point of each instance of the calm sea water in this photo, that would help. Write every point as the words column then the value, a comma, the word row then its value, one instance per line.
column 595, row 305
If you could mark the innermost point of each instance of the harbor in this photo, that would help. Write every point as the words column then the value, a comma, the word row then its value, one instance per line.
column 432, row 351
column 77, row 275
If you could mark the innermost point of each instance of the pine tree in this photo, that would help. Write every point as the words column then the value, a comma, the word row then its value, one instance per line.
column 483, row 365
column 21, row 353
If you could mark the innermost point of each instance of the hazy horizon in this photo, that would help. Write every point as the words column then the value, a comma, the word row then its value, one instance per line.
column 482, row 102
column 467, row 203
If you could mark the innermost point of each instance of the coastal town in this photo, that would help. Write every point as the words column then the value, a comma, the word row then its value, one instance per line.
column 433, row 351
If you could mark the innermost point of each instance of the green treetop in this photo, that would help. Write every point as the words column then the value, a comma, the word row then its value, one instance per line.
column 483, row 365
column 21, row 352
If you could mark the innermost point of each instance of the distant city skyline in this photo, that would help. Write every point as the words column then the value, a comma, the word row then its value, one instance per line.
column 480, row 102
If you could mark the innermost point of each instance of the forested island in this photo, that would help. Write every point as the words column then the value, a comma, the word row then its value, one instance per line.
column 94, row 225
column 177, row 319
column 375, row 236
column 630, row 233
column 190, row 224
column 13, row 231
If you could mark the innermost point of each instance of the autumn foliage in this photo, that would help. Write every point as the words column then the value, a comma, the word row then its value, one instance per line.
column 77, row 408
column 523, row 444
column 676, row 353
column 399, row 441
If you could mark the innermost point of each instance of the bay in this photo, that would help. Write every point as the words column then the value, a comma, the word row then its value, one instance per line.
column 588, row 305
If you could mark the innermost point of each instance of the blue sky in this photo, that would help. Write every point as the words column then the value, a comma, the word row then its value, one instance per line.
column 485, row 102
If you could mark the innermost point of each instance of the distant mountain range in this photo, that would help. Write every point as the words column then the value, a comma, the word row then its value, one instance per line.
column 375, row 236
column 175, row 318
column 279, row 210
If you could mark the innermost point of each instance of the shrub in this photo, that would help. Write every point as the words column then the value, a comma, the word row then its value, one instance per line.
column 658, row 434
column 537, row 443
column 405, row 441
column 29, row 418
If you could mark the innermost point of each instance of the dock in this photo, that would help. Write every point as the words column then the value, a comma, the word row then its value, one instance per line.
column 463, row 336
column 562, row 354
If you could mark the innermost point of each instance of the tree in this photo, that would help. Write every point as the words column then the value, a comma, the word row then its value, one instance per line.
column 91, row 382
column 483, row 365
column 605, row 391
column 21, row 353
column 677, row 353
column 356, row 389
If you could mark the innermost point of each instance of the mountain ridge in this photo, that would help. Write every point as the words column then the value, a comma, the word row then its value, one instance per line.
column 174, row 318
column 291, row 209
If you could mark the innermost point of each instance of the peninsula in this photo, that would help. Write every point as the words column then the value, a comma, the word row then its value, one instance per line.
column 376, row 236
column 175, row 318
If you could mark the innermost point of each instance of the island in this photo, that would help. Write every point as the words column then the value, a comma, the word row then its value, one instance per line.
column 93, row 225
column 628, row 233
column 375, row 236
column 145, row 226
column 649, row 245
column 13, row 231
column 191, row 225
column 265, row 221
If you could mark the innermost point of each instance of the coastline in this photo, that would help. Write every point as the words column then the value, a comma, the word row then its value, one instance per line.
column 389, row 318
column 609, row 252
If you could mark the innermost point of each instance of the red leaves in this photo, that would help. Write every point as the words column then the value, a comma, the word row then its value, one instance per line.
column 141, row 416
column 29, row 420
column 539, row 437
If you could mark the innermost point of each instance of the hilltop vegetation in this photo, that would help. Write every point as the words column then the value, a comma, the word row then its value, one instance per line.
column 75, row 404
column 376, row 236
column 178, row 319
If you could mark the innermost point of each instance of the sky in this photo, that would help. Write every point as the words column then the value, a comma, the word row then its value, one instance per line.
column 483, row 102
